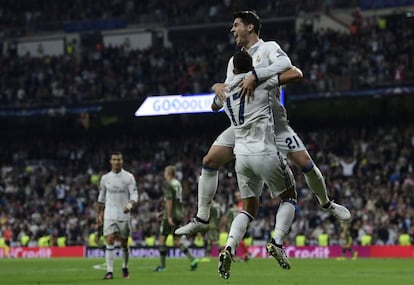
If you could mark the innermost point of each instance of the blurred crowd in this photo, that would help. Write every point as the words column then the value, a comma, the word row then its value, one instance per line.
column 23, row 18
column 53, row 190
column 377, row 53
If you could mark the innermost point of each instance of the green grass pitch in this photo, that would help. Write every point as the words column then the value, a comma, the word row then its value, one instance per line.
column 255, row 272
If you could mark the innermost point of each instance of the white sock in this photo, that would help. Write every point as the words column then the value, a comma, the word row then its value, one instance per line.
column 109, row 257
column 316, row 183
column 125, row 257
column 184, row 241
column 207, row 187
column 284, row 219
column 238, row 229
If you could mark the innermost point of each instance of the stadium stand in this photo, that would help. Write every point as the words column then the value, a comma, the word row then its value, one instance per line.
column 379, row 192
column 374, row 56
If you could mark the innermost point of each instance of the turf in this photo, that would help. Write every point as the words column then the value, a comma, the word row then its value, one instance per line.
column 255, row 271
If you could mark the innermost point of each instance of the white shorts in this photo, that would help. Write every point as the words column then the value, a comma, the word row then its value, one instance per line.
column 120, row 228
column 254, row 170
column 287, row 141
column 226, row 138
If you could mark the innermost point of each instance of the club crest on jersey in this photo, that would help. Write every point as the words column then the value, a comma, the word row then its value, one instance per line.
column 258, row 59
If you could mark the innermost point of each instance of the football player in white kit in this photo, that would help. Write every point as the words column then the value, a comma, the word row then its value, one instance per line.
column 258, row 161
column 117, row 196
column 270, row 63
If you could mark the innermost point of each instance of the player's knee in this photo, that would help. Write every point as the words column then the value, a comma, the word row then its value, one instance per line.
column 212, row 160
column 289, row 194
column 251, row 206
column 301, row 159
column 216, row 158
column 110, row 239
column 124, row 243
column 208, row 161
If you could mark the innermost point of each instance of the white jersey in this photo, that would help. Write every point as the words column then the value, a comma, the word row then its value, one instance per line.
column 252, row 121
column 116, row 191
column 257, row 133
column 268, row 60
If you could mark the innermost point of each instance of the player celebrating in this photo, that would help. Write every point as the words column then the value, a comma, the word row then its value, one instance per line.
column 117, row 196
column 268, row 60
column 258, row 161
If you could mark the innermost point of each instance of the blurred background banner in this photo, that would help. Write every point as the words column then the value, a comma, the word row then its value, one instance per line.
column 255, row 252
column 175, row 104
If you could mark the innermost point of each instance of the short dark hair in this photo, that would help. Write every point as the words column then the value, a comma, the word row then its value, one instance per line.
column 242, row 62
column 249, row 17
column 115, row 152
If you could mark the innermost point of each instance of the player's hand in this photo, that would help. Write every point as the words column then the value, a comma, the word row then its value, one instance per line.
column 171, row 222
column 220, row 90
column 247, row 87
column 99, row 220
column 159, row 215
column 128, row 207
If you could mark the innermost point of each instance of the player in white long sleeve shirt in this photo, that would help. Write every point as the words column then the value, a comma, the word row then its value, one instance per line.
column 117, row 196
column 257, row 161
column 252, row 121
column 269, row 61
